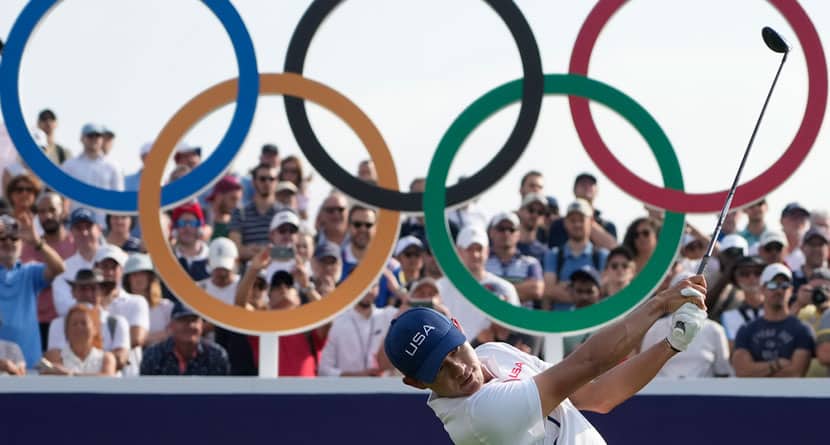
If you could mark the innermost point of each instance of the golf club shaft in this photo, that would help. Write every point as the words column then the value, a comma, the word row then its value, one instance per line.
column 731, row 194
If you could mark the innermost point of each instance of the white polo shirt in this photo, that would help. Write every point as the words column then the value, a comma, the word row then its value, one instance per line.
column 706, row 356
column 508, row 409
column 227, row 294
column 354, row 341
column 133, row 308
column 472, row 320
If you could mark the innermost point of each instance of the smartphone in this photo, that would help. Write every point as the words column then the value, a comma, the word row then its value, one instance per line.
column 282, row 253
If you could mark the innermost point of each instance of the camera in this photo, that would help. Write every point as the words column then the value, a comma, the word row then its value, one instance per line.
column 820, row 295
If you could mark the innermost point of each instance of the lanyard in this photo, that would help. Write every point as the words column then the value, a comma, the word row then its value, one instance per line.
column 364, row 346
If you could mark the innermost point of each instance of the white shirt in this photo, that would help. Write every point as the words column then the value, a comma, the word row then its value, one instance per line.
column 227, row 294
column 92, row 364
column 160, row 315
column 508, row 409
column 733, row 319
column 133, row 308
column 706, row 356
column 120, row 337
column 471, row 318
column 61, row 290
column 100, row 172
column 795, row 259
column 354, row 341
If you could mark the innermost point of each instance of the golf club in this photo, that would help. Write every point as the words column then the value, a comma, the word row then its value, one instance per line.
column 777, row 44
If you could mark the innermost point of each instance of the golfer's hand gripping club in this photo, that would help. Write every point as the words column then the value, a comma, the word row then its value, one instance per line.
column 687, row 322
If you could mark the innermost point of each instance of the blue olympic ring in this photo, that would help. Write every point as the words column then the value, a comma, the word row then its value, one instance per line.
column 207, row 173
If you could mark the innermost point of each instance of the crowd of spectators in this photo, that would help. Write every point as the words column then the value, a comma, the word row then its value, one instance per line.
column 80, row 296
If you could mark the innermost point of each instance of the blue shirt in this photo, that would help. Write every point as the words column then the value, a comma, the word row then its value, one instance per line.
column 770, row 340
column 572, row 262
column 557, row 236
column 535, row 249
column 383, row 286
column 517, row 269
column 19, row 288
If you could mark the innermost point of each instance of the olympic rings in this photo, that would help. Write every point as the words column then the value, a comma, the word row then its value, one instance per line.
column 676, row 200
column 309, row 315
column 115, row 201
column 391, row 198
column 520, row 318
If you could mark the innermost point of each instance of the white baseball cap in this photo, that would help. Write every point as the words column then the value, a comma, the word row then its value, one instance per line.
column 222, row 254
column 581, row 206
column 505, row 216
column 773, row 236
column 734, row 240
column 407, row 242
column 773, row 270
column 285, row 217
column 534, row 197
column 138, row 262
column 472, row 234
column 109, row 251
column 145, row 148
column 283, row 186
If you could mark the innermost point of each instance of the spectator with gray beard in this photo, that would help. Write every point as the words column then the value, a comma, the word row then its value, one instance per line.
column 777, row 344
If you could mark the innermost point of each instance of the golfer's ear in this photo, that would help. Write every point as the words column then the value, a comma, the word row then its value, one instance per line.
column 415, row 383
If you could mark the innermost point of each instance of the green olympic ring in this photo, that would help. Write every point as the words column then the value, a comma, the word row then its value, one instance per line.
column 550, row 322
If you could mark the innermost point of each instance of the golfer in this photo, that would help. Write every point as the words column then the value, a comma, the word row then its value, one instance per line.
column 497, row 394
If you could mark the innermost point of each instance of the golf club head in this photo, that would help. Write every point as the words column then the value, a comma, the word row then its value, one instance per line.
column 774, row 40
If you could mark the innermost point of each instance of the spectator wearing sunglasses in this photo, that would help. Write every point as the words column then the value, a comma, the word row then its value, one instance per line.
column 20, row 284
column 641, row 240
column 188, row 245
column 250, row 225
column 815, row 249
column 506, row 262
column 410, row 253
column 619, row 271
column 531, row 221
column 331, row 224
column 362, row 229
column 771, row 247
column 744, row 299
column 777, row 344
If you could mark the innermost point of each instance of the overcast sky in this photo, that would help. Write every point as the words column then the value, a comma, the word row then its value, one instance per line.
column 699, row 67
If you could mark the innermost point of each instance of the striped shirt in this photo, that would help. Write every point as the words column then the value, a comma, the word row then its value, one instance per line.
column 251, row 225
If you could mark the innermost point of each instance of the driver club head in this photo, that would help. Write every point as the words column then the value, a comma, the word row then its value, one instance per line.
column 774, row 40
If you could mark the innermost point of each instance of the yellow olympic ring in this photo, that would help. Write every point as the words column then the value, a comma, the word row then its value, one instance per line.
column 285, row 322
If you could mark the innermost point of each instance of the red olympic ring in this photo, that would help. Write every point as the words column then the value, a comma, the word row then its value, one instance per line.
column 676, row 200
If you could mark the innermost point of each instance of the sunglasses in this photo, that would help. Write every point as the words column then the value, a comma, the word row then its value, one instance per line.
column 266, row 178
column 773, row 247
column 282, row 230
column 773, row 285
column 361, row 224
column 536, row 211
column 334, row 209
column 504, row 229
column 23, row 190
column 194, row 223
column 11, row 238
column 412, row 254
column 746, row 273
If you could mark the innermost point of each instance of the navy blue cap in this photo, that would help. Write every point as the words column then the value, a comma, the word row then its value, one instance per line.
column 419, row 340
column 552, row 202
column 181, row 310
column 327, row 249
column 81, row 214
column 793, row 208
column 587, row 176
column 586, row 272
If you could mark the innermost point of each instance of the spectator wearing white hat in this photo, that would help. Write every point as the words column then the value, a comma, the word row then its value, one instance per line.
column 222, row 266
column 355, row 338
column 771, row 247
column 110, row 260
column 140, row 279
column 92, row 166
column 820, row 218
column 777, row 344
column 286, row 193
column 283, row 234
column 706, row 356
column 602, row 233
column 473, row 250
column 730, row 249
column 795, row 221
column 756, row 222
column 505, row 260
column 531, row 221
column 410, row 253
column 578, row 251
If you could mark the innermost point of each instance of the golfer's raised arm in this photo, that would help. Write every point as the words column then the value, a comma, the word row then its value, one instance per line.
column 611, row 345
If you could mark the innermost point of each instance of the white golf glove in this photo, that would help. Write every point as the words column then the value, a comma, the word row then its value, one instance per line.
column 686, row 322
